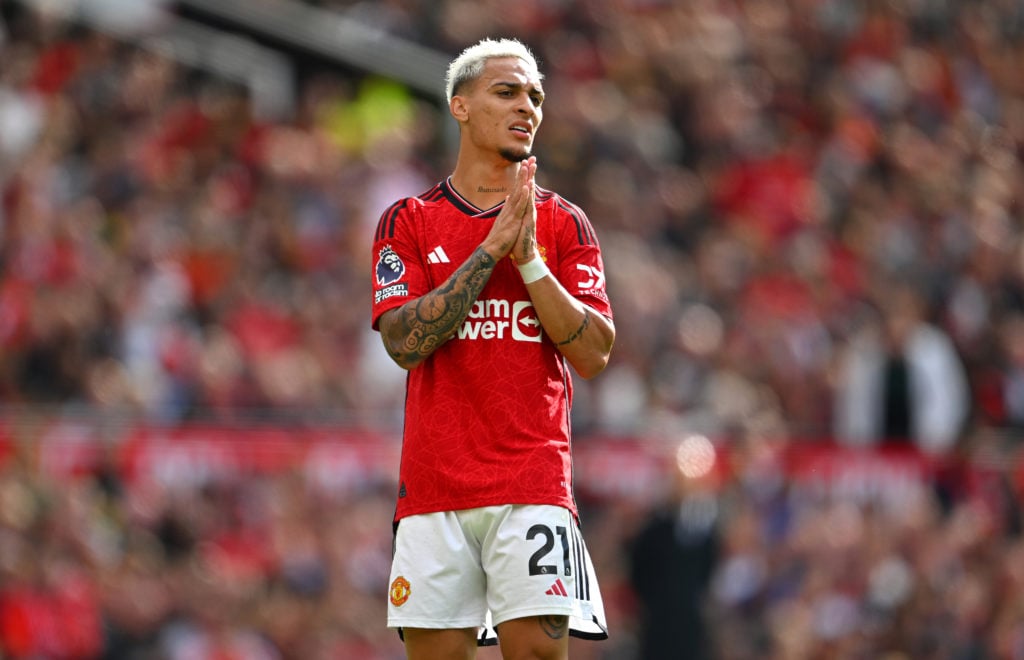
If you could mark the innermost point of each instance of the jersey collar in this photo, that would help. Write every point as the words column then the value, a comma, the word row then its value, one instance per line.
column 464, row 205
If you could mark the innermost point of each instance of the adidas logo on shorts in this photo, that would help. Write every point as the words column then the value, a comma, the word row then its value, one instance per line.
column 557, row 589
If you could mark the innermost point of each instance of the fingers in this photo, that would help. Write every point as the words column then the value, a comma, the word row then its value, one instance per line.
column 526, row 240
column 531, row 185
column 525, row 185
column 518, row 217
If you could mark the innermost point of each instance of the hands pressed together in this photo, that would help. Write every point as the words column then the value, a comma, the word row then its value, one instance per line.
column 515, row 229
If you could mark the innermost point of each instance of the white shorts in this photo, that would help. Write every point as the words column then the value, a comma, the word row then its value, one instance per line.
column 477, row 568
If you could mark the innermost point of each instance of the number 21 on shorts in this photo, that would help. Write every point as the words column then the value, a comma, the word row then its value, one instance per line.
column 543, row 553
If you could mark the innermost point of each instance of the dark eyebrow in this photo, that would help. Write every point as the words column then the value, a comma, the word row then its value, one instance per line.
column 533, row 89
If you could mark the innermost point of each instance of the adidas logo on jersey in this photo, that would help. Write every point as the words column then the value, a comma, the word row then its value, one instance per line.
column 437, row 256
column 557, row 589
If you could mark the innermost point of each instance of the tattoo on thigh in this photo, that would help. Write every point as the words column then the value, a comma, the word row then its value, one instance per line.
column 555, row 625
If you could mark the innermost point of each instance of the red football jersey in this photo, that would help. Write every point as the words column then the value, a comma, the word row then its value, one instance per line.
column 487, row 414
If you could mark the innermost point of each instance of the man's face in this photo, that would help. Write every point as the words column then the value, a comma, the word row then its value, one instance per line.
column 504, row 108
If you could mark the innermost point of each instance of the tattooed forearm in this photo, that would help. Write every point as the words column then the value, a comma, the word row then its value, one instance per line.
column 555, row 626
column 579, row 331
column 424, row 324
column 528, row 240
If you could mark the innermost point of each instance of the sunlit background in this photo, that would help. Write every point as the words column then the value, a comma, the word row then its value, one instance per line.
column 806, row 445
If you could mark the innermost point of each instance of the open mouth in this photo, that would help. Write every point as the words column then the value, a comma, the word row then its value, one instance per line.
column 523, row 129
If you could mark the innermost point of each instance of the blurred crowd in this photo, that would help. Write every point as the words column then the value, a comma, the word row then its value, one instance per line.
column 811, row 214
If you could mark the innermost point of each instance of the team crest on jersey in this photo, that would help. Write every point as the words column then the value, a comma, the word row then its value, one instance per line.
column 399, row 592
column 390, row 267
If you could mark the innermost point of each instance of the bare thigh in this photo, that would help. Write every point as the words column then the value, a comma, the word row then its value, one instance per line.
column 429, row 644
column 544, row 637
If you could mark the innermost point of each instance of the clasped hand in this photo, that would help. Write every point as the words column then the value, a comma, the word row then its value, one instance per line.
column 515, row 229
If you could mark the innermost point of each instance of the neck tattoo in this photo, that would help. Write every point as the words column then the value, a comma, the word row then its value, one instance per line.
column 482, row 189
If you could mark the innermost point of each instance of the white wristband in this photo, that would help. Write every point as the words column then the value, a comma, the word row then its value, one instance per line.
column 534, row 269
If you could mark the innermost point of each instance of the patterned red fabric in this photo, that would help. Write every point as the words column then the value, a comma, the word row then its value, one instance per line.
column 487, row 415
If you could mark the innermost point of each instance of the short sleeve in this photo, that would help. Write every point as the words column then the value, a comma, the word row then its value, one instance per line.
column 580, row 264
column 397, row 267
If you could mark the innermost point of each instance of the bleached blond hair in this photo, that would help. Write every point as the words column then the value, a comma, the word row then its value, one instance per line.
column 470, row 63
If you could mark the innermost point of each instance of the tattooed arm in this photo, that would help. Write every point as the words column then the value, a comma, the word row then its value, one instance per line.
column 580, row 333
column 416, row 329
